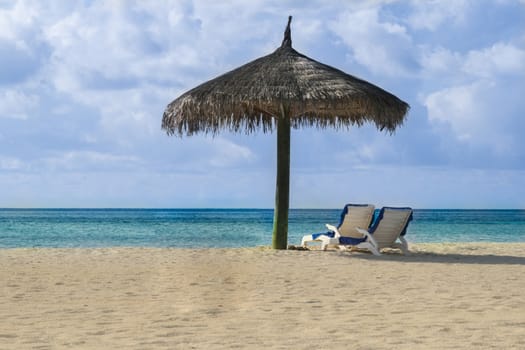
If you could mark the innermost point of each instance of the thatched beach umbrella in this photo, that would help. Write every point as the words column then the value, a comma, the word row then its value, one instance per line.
column 282, row 90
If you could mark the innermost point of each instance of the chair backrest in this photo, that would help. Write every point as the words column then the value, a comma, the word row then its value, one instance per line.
column 355, row 215
column 390, row 224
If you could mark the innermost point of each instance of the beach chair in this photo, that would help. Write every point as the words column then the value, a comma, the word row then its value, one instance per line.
column 390, row 226
column 352, row 216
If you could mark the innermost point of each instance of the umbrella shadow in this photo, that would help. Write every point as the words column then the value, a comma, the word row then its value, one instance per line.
column 436, row 258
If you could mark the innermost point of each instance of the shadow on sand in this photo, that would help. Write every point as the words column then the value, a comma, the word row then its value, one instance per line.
column 440, row 258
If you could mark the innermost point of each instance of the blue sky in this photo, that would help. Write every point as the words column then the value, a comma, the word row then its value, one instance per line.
column 83, row 85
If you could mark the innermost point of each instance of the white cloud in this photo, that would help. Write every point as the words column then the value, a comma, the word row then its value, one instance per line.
column 10, row 163
column 432, row 14
column 360, row 155
column 457, row 106
column 480, row 115
column 127, row 61
column 436, row 61
column 225, row 153
column 89, row 161
column 114, row 45
column 498, row 59
column 15, row 20
column 17, row 104
column 477, row 98
column 381, row 46
column 21, row 48
column 127, row 114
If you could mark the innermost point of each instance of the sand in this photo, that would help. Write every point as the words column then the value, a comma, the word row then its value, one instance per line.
column 443, row 296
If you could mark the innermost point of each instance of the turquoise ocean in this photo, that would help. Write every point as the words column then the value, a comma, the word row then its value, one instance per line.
column 221, row 228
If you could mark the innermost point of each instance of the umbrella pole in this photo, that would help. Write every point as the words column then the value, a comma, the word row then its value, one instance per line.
column 282, row 189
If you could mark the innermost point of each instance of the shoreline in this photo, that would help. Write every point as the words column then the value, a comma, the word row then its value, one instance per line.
column 419, row 246
column 442, row 296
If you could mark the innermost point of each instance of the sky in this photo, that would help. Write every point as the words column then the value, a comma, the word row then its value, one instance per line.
column 84, row 83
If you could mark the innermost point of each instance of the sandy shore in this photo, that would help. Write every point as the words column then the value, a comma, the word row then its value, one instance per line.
column 442, row 297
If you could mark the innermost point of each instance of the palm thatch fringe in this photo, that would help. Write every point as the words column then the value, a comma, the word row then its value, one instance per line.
column 249, row 97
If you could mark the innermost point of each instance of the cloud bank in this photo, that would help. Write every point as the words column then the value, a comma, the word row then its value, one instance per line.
column 83, row 85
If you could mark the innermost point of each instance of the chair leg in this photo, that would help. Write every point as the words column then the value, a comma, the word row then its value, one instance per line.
column 404, row 245
column 374, row 250
column 328, row 241
column 369, row 246
column 324, row 242
column 303, row 241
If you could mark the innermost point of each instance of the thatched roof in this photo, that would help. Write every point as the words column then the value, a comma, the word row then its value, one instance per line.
column 315, row 94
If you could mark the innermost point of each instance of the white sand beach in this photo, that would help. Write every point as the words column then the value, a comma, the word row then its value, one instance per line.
column 443, row 296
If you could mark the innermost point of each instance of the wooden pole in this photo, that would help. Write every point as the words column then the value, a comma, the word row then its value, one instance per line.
column 282, row 189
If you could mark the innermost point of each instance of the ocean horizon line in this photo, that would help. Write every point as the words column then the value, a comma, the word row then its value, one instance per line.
column 242, row 208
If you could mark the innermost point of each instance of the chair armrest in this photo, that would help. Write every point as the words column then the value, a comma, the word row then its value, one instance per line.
column 364, row 232
column 334, row 229
column 368, row 236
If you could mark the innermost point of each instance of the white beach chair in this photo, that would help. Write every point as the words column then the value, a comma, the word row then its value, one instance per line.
column 352, row 216
column 390, row 226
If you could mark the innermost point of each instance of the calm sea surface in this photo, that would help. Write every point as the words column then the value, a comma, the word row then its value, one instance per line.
column 229, row 227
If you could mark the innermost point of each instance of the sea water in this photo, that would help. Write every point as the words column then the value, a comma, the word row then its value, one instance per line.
column 229, row 227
